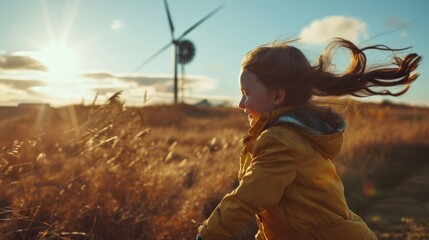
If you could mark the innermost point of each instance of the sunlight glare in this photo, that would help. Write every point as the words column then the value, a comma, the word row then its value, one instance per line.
column 60, row 60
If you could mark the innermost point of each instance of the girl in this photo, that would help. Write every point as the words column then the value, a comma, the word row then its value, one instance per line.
column 286, row 177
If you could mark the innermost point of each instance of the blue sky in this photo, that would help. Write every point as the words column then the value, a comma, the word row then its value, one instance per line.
column 61, row 51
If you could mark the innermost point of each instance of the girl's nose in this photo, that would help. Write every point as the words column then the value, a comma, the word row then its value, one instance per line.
column 241, row 103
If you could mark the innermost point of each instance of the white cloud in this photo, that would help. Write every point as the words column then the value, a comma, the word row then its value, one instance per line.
column 159, row 87
column 20, row 61
column 396, row 22
column 322, row 30
column 160, row 82
column 403, row 34
column 117, row 24
column 25, row 87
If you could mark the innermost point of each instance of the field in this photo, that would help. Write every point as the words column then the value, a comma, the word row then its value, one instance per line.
column 116, row 172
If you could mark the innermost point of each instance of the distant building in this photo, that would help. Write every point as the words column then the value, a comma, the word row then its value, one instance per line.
column 203, row 103
column 33, row 105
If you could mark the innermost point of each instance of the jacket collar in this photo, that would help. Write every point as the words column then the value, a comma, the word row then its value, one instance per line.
column 267, row 119
column 322, row 127
column 262, row 123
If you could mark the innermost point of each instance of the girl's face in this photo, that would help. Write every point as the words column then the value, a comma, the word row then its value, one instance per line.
column 256, row 98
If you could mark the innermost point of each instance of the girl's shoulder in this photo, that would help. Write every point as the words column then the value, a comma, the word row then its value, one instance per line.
column 285, row 136
column 282, row 132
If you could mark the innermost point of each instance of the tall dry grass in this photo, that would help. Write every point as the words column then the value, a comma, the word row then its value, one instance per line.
column 116, row 173
column 113, row 172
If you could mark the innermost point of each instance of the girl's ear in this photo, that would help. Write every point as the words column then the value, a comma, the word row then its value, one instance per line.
column 279, row 96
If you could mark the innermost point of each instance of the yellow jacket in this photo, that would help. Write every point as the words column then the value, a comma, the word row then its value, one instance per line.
column 287, row 180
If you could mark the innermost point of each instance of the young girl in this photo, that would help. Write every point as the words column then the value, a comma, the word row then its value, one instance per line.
column 286, row 177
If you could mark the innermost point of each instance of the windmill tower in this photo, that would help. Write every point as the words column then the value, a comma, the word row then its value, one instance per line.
column 183, row 50
column 186, row 54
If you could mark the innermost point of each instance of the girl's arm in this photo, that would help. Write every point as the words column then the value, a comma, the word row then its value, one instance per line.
column 262, row 186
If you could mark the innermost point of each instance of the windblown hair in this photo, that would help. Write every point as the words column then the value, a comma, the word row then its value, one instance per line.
column 281, row 65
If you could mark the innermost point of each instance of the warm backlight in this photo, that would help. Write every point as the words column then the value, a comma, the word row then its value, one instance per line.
column 59, row 59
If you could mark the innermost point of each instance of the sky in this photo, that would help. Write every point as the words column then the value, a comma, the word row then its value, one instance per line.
column 79, row 51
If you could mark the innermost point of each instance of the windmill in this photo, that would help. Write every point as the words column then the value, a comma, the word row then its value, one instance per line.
column 184, row 50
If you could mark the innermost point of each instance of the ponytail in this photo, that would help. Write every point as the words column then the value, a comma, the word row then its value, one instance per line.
column 359, row 81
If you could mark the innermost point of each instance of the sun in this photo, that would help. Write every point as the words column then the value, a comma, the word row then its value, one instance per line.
column 60, row 59
column 62, row 75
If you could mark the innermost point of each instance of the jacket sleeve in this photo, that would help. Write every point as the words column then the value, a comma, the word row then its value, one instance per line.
column 272, row 169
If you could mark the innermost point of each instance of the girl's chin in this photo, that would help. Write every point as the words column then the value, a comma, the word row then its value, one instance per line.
column 251, row 122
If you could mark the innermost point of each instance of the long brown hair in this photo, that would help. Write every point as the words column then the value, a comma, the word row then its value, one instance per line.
column 281, row 65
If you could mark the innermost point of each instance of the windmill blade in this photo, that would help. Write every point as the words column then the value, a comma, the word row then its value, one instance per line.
column 199, row 22
column 153, row 56
column 170, row 21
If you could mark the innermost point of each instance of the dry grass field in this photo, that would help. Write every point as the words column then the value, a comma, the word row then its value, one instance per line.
column 113, row 172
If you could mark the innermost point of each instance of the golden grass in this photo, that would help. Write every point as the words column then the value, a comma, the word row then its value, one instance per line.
column 145, row 173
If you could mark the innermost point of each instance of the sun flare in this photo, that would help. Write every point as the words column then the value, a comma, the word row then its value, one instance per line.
column 60, row 59
column 62, row 77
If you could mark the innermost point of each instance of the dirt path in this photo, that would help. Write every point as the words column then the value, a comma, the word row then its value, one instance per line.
column 401, row 209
